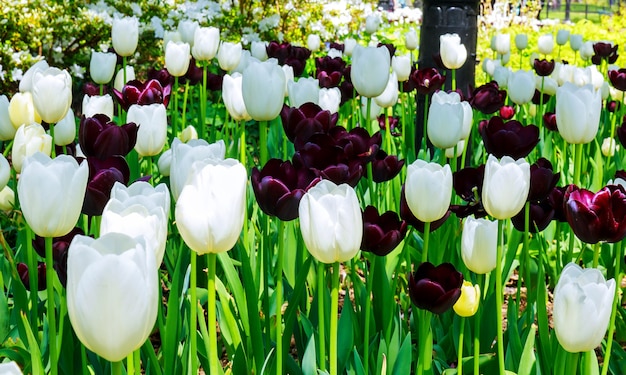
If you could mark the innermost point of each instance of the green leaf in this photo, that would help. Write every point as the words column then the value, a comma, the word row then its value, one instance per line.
column 309, row 365
column 35, row 354
column 402, row 364
column 346, row 338
column 527, row 361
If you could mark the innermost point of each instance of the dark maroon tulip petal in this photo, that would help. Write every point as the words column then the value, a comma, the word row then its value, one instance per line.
column 488, row 98
column 427, row 80
column 381, row 233
column 509, row 138
column 60, row 245
column 507, row 112
column 543, row 67
column 540, row 216
column 542, row 180
column 24, row 274
column 385, row 167
column 435, row 289
column 549, row 121
column 101, row 138
column 618, row 78
column 596, row 217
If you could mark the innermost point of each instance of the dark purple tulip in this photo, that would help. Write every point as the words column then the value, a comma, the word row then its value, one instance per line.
column 488, row 98
column 468, row 185
column 329, row 80
column 381, row 233
column 279, row 186
column 301, row 123
column 621, row 134
column 279, row 51
column 193, row 75
column 91, row 89
column 409, row 85
column 394, row 124
column 427, row 80
column 385, row 167
column 542, row 180
column 407, row 215
column 103, row 174
column 163, row 76
column 555, row 198
column 618, row 79
column 435, row 289
column 23, row 272
column 60, row 246
column 357, row 144
column 538, row 98
column 337, row 46
column 549, row 121
column 288, row 54
column 509, row 138
column 136, row 92
column 329, row 65
column 507, row 112
column 596, row 217
column 70, row 149
column 347, row 91
column 603, row 51
column 612, row 106
column 540, row 216
column 543, row 67
column 620, row 174
column 101, row 138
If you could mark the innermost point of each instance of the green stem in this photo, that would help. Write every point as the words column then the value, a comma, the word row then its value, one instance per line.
column 53, row 152
column 368, row 307
column 279, row 298
column 263, row 142
column 334, row 307
column 212, row 322
column 425, row 123
column 32, row 279
column 193, row 302
column 571, row 364
column 596, row 254
column 184, row 115
column 242, row 143
column 130, row 364
column 499, row 302
column 368, row 122
column 426, row 240
column 526, row 263
column 83, row 360
column 425, row 359
column 137, row 361
column 51, row 306
column 203, row 104
column 453, row 82
column 175, row 110
column 124, row 63
column 116, row 368
column 459, row 366
column 609, row 340
column 321, row 315
column 477, row 317
column 370, row 184
column 578, row 153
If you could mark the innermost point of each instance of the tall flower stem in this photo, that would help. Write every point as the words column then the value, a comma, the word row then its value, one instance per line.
column 279, row 298
column 526, row 253
column 368, row 307
column 130, row 364
column 499, row 302
column 368, row 122
column 425, row 122
column 32, row 279
column 321, row 315
column 425, row 351
column 334, row 307
column 426, row 240
column 184, row 115
column 193, row 302
column 477, row 317
column 116, row 368
column 213, row 358
column 459, row 366
column 453, row 81
column 578, row 153
column 51, row 306
column 263, row 142
column 202, row 121
column 609, row 340
column 596, row 254
column 175, row 110
column 242, row 142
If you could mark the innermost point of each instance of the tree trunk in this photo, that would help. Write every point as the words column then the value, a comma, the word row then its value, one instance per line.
column 567, row 9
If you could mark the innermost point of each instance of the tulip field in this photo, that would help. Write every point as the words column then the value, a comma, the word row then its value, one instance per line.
column 238, row 205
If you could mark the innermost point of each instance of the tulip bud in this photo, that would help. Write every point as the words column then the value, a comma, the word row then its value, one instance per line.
column 263, row 85
column 428, row 190
column 233, row 97
column 501, row 43
column 165, row 162
column 211, row 206
column 562, row 36
column 582, row 299
column 389, row 97
column 152, row 122
column 453, row 52
column 7, row 199
column 330, row 99
column 450, row 152
column 545, row 44
column 206, row 41
column 331, row 222
column 372, row 23
column 305, row 90
column 374, row 108
column 445, row 119
column 65, row 130
column 468, row 302
column 313, row 42
column 112, row 296
column 578, row 112
column 177, row 58
column 187, row 30
column 188, row 134
column 521, row 86
column 93, row 105
column 521, row 41
column 259, row 50
column 608, row 147
column 401, row 65
column 7, row 130
column 228, row 55
column 119, row 77
column 410, row 40
column 102, row 67
column 478, row 245
column 349, row 46
column 171, row 36
column 370, row 70
column 29, row 139
column 51, row 193
column 22, row 110
column 125, row 35
column 575, row 41
column 506, row 186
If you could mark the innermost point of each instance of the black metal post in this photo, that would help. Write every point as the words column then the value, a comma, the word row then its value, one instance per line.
column 443, row 17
